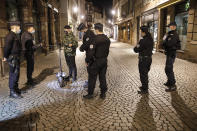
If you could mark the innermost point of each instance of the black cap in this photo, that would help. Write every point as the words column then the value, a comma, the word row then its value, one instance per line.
column 81, row 27
column 144, row 29
column 67, row 27
column 172, row 24
column 29, row 24
column 16, row 23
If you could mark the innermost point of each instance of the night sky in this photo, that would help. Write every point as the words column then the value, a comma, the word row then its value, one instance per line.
column 107, row 4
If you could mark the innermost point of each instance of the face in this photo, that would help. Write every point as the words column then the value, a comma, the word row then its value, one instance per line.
column 67, row 30
column 16, row 29
column 143, row 34
column 96, row 32
column 172, row 27
column 84, row 30
column 31, row 30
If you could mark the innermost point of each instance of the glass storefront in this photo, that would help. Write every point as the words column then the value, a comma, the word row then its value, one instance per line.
column 181, row 18
column 150, row 19
column 182, row 21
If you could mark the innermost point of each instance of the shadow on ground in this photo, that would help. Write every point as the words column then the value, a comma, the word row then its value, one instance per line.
column 144, row 115
column 187, row 116
column 41, row 77
column 26, row 122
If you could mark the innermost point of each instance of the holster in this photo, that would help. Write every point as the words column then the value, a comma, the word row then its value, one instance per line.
column 13, row 61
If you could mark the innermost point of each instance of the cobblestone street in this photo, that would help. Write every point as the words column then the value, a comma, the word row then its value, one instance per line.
column 48, row 107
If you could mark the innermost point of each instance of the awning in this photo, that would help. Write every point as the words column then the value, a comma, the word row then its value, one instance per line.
column 168, row 3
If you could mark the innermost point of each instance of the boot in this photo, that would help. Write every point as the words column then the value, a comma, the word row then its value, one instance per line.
column 30, row 82
column 171, row 88
column 88, row 96
column 103, row 95
column 143, row 90
column 14, row 94
column 19, row 91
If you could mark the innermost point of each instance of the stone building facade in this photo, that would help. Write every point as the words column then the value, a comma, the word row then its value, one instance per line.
column 122, row 19
column 72, row 12
column 43, row 13
column 157, row 14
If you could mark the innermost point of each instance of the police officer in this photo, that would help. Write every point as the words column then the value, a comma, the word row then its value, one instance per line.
column 29, row 48
column 171, row 44
column 70, row 45
column 88, row 39
column 12, row 52
column 144, row 48
column 99, row 53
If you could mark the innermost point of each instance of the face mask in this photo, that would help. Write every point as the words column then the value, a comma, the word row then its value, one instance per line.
column 18, row 31
column 33, row 32
column 66, row 32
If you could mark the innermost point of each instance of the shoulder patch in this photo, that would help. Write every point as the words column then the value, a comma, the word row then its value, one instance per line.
column 91, row 46
column 87, row 39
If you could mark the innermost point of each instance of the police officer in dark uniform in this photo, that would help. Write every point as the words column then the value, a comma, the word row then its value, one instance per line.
column 99, row 52
column 29, row 48
column 144, row 48
column 88, row 39
column 12, row 51
column 171, row 44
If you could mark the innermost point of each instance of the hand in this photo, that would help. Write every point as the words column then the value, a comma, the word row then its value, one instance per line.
column 4, row 59
column 70, row 45
column 86, row 64
column 41, row 44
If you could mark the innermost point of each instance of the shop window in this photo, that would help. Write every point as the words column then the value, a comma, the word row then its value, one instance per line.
column 129, row 34
column 181, row 18
column 182, row 22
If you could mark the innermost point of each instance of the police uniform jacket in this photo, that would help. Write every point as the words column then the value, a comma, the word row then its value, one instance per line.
column 100, row 50
column 27, row 43
column 88, row 39
column 171, row 42
column 145, row 46
column 12, row 45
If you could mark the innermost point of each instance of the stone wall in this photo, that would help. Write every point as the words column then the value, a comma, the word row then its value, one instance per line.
column 23, row 11
column 191, row 47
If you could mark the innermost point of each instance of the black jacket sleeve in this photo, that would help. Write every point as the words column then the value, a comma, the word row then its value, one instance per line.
column 9, row 40
column 29, row 45
column 88, row 39
column 142, row 45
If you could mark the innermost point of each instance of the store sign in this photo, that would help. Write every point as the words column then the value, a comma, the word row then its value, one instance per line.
column 187, row 5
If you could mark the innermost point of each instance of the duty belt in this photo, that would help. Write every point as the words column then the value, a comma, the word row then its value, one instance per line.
column 140, row 57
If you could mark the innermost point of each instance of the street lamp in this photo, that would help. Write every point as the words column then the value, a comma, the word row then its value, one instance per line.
column 113, row 12
column 82, row 17
column 75, row 9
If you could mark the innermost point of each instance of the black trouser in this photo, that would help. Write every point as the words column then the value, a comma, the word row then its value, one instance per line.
column 99, row 67
column 14, row 73
column 144, row 67
column 30, row 66
column 170, row 59
column 70, row 60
